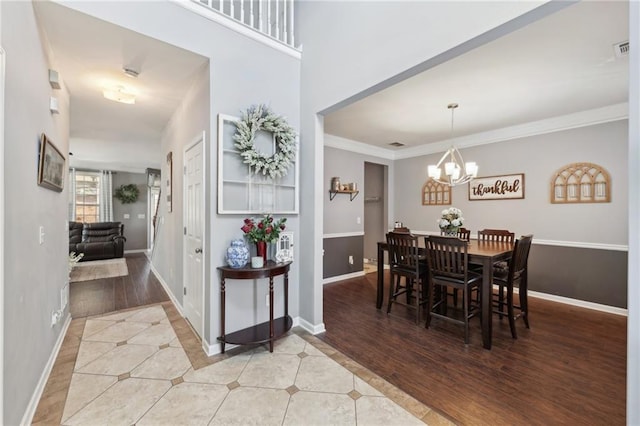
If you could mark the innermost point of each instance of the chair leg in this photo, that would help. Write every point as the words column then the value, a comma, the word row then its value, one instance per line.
column 418, row 300
column 408, row 282
column 430, row 291
column 524, row 304
column 465, row 303
column 501, row 301
column 512, row 318
column 392, row 290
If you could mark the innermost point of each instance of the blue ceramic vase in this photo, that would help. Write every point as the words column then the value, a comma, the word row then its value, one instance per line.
column 237, row 254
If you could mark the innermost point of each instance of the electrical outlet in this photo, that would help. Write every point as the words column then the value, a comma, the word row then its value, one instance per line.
column 266, row 300
column 41, row 234
column 64, row 297
column 358, row 220
column 350, row 260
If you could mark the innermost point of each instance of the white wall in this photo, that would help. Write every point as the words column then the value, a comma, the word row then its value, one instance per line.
column 354, row 48
column 34, row 273
column 633, row 323
column 539, row 158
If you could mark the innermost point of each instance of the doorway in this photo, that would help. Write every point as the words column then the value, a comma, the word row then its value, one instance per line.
column 374, row 218
column 193, row 209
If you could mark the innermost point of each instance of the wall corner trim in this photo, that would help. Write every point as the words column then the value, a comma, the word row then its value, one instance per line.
column 307, row 326
column 27, row 418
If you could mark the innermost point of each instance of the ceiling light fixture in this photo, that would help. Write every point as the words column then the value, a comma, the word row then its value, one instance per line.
column 120, row 94
column 130, row 72
column 453, row 170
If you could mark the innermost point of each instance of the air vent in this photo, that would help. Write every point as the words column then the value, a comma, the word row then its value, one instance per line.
column 396, row 144
column 621, row 49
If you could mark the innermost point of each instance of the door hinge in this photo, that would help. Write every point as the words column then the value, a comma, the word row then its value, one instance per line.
column 185, row 291
column 185, row 230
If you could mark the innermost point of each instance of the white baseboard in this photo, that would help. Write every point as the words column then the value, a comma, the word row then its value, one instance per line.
column 135, row 251
column 342, row 277
column 167, row 289
column 306, row 325
column 579, row 303
column 27, row 418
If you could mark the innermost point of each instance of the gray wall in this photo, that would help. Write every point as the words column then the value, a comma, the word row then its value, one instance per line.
column 538, row 157
column 34, row 273
column 592, row 275
column 336, row 256
column 135, row 228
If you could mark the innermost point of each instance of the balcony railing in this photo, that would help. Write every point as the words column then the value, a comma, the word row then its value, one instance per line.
column 273, row 18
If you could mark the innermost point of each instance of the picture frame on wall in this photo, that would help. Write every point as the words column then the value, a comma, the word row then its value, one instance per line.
column 51, row 166
column 503, row 187
column 169, row 181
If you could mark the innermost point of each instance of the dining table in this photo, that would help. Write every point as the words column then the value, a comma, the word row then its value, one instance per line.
column 484, row 253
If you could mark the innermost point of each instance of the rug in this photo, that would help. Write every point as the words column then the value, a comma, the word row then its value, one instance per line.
column 97, row 269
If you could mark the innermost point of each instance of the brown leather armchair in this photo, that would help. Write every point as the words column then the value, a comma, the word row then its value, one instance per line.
column 100, row 240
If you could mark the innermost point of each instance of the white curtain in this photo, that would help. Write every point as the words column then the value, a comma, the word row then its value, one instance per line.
column 72, row 195
column 106, row 197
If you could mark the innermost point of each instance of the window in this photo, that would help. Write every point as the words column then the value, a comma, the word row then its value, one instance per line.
column 87, row 197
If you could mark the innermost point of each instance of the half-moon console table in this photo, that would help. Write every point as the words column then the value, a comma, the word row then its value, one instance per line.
column 267, row 331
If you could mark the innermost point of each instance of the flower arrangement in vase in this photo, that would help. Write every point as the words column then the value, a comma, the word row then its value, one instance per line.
column 450, row 221
column 263, row 231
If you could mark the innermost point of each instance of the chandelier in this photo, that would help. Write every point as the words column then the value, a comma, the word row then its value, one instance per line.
column 455, row 174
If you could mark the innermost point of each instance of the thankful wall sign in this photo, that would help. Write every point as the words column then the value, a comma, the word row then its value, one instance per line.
column 504, row 187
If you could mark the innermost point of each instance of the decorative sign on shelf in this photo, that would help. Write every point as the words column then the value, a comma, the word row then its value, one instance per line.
column 505, row 187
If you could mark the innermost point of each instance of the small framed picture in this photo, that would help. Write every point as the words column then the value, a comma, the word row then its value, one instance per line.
column 284, row 251
column 51, row 166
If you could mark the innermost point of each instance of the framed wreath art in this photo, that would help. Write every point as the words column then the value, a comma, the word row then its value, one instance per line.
column 260, row 117
column 127, row 194
column 258, row 169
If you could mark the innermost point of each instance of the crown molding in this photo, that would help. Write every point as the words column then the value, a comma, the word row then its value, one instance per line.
column 333, row 141
column 555, row 124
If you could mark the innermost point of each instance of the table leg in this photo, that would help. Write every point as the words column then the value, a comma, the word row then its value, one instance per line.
column 487, row 299
column 222, row 314
column 380, row 291
column 270, row 314
column 286, row 296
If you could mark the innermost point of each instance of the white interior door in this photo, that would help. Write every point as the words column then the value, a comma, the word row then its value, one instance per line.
column 193, row 200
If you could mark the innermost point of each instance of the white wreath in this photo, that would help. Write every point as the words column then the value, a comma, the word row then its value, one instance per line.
column 260, row 117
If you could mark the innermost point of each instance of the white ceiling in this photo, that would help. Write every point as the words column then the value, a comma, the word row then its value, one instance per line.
column 559, row 65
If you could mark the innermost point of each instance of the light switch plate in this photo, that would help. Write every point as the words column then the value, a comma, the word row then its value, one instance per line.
column 127, row 216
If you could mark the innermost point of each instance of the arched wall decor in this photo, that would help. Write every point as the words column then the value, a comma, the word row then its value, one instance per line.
column 435, row 193
column 581, row 183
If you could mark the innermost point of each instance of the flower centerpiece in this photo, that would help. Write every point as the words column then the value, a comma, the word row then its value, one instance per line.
column 450, row 221
column 263, row 231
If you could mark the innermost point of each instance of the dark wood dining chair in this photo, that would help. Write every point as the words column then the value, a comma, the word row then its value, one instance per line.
column 405, row 262
column 448, row 261
column 464, row 234
column 514, row 276
column 496, row 235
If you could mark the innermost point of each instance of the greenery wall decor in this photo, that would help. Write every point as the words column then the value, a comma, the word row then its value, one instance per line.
column 127, row 194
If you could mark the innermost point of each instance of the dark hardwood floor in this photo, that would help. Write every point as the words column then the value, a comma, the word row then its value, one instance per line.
column 568, row 369
column 138, row 288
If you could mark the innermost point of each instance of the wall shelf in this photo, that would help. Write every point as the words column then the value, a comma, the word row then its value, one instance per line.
column 352, row 194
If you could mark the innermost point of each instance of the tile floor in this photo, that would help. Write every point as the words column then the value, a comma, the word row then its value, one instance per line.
column 134, row 367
